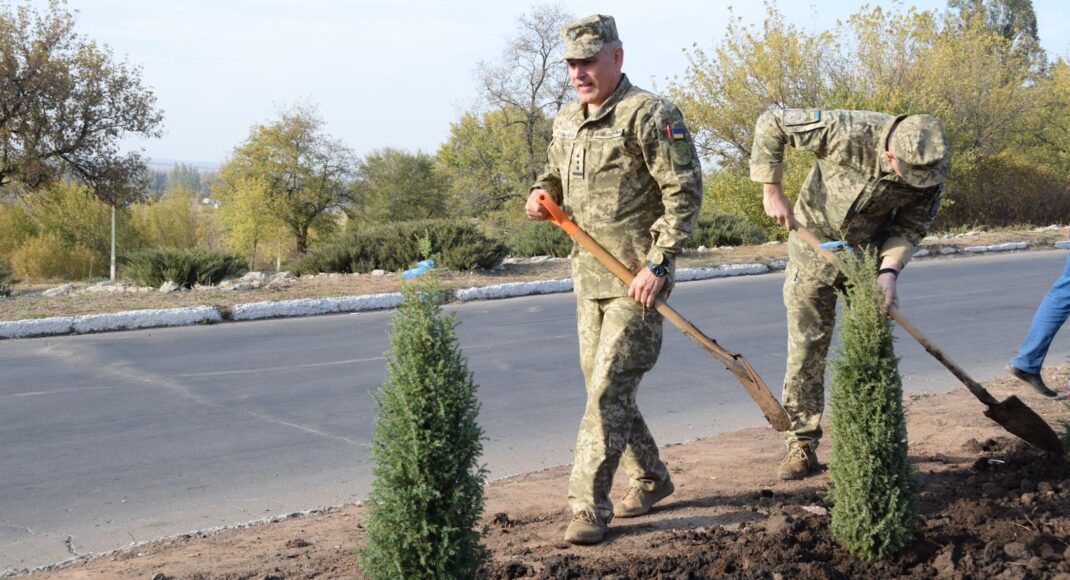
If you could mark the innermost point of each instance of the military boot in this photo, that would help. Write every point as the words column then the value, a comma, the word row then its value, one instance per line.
column 586, row 528
column 800, row 462
column 638, row 501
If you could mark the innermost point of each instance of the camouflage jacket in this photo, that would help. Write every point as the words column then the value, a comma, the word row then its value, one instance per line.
column 630, row 177
column 851, row 194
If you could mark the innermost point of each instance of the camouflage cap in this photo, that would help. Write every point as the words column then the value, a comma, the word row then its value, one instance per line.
column 585, row 37
column 920, row 147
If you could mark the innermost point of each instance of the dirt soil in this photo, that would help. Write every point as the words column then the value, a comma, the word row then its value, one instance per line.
column 990, row 507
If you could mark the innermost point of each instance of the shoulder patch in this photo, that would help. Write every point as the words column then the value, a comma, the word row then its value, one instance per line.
column 801, row 117
column 680, row 152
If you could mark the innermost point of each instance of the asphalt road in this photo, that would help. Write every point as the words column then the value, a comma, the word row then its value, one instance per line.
column 125, row 437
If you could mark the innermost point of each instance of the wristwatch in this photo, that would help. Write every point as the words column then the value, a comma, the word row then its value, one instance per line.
column 659, row 270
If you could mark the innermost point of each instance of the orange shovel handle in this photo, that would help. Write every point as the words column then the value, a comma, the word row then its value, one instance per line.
column 557, row 215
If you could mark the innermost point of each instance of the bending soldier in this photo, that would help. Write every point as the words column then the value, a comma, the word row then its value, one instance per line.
column 876, row 183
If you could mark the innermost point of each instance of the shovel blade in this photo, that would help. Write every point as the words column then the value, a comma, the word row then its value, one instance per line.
column 1016, row 417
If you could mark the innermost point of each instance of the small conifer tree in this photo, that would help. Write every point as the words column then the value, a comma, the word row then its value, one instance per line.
column 873, row 486
column 427, row 493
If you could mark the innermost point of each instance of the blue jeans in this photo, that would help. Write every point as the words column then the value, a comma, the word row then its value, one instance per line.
column 1050, row 316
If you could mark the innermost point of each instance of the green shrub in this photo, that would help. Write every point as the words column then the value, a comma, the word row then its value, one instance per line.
column 540, row 239
column 427, row 488
column 454, row 244
column 16, row 226
column 185, row 267
column 730, row 190
column 1002, row 191
column 873, row 487
column 47, row 257
column 721, row 229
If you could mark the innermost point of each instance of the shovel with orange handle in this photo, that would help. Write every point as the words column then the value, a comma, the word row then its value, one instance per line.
column 771, row 408
column 1012, row 414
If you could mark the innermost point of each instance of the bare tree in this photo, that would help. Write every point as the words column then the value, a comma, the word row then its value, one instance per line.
column 530, row 80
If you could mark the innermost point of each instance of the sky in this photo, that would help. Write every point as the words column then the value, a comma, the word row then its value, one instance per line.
column 390, row 74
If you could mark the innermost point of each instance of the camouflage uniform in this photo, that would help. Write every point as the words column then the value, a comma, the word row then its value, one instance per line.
column 851, row 194
column 630, row 177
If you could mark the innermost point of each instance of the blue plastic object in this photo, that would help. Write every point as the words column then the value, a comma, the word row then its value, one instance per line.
column 421, row 268
column 833, row 245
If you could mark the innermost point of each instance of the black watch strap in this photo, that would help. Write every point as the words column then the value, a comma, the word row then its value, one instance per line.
column 658, row 270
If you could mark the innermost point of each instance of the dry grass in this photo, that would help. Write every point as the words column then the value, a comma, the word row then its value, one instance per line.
column 28, row 303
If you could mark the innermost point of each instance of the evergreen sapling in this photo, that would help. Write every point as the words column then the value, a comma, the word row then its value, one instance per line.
column 873, row 486
column 427, row 492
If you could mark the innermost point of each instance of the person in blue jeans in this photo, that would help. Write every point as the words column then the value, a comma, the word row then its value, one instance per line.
column 1050, row 316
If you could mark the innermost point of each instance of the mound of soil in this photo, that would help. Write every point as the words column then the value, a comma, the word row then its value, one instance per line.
column 1007, row 515
column 990, row 507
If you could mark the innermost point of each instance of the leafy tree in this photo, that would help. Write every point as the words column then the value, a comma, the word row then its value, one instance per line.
column 394, row 185
column 529, row 82
column 996, row 100
column 1014, row 20
column 249, row 222
column 172, row 221
column 883, row 62
column 67, row 212
column 427, row 492
column 1045, row 138
column 487, row 161
column 979, row 85
column 186, row 177
column 873, row 487
column 16, row 226
column 157, row 181
column 307, row 173
column 721, row 95
column 65, row 106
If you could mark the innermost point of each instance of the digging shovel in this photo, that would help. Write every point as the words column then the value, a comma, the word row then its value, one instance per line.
column 1012, row 414
column 774, row 413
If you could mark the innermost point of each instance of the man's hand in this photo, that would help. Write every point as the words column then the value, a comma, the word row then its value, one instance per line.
column 886, row 286
column 533, row 208
column 645, row 287
column 886, row 282
column 777, row 206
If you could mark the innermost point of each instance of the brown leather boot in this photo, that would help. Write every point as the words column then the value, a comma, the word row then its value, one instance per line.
column 638, row 501
column 800, row 462
column 586, row 528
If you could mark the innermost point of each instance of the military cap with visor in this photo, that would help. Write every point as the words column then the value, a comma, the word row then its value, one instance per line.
column 921, row 151
column 585, row 37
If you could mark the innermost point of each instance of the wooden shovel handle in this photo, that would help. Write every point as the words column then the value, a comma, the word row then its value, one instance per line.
column 736, row 363
column 978, row 391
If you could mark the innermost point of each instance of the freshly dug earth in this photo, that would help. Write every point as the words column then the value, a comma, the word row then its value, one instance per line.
column 991, row 507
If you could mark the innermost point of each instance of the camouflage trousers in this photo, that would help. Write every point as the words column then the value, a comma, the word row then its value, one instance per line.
column 619, row 342
column 810, row 286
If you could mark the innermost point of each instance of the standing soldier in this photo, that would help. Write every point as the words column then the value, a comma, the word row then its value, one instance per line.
column 876, row 183
column 623, row 164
